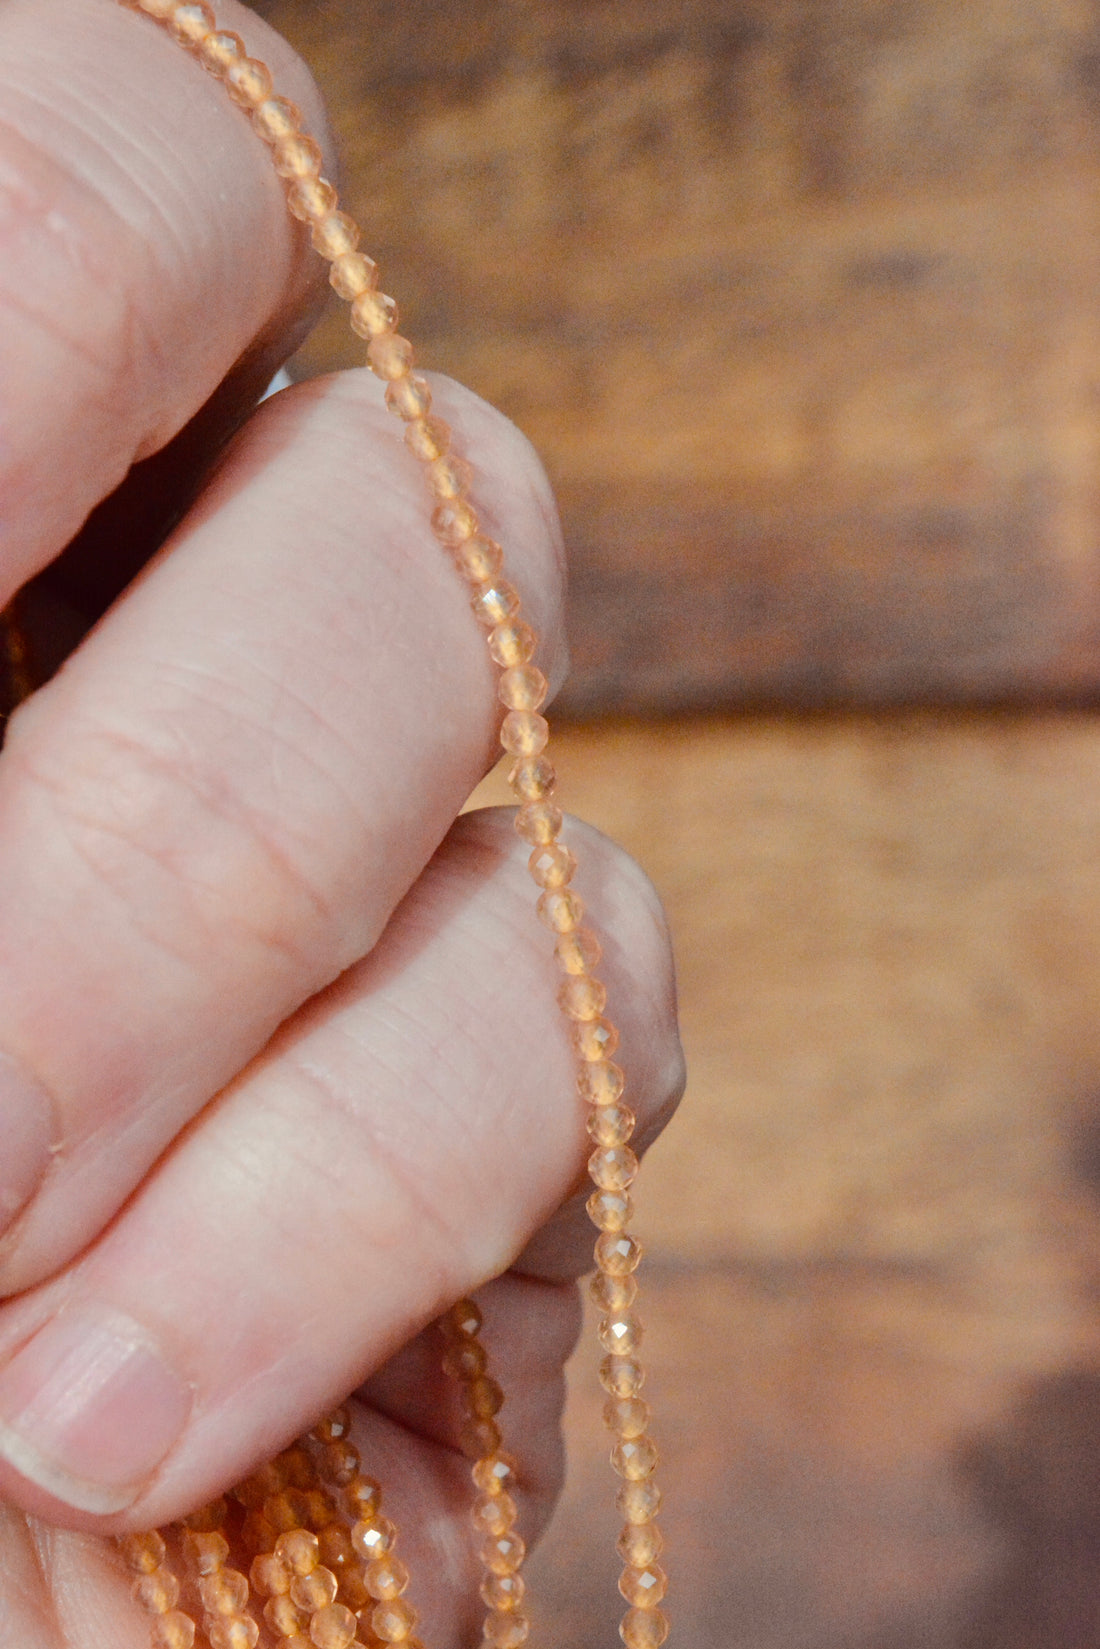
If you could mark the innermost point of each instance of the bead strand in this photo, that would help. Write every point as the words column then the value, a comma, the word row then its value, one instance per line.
column 157, row 1588
column 222, row 1589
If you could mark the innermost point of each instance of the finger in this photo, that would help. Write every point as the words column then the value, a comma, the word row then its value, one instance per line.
column 395, row 1147
column 147, row 249
column 227, row 790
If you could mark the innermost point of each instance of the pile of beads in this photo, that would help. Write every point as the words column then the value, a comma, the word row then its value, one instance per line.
column 320, row 1550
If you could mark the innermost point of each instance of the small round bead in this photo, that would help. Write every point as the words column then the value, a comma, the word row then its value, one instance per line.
column 560, row 911
column 428, row 438
column 496, row 605
column 258, row 1533
column 494, row 1513
column 393, row 1622
column 513, row 642
column 601, row 1082
column 532, row 778
column 613, row 1294
column 611, row 1124
column 552, row 866
column 448, row 476
column 283, row 1616
column 288, row 1510
column 352, row 1590
column 218, row 50
column 503, row 1554
column 617, row 1253
column 495, row 1474
column 610, row 1210
column 635, row 1458
column 143, row 1553
column 595, row 1040
column 335, row 236
column 613, row 1167
column 484, row 1398
column 315, row 1590
column 158, row 1592
column 276, row 118
column 621, row 1376
column 390, row 356
column 525, row 733
column 297, row 156
column 479, row 559
column 503, row 1592
column 333, row 1627
column 158, row 8
column 639, row 1502
column 578, row 952
column 628, row 1416
column 523, row 687
column 299, row 1550
column 479, row 1438
column 538, row 822
column 454, row 522
column 409, row 397
column 241, row 1632
column 463, row 1320
column 351, row 274
column 173, row 1631
column 386, row 1577
column 320, row 1510
column 373, row 1536
column 336, row 1548
column 644, row 1586
column 464, row 1360
column 191, row 23
column 340, row 1461
column 225, row 1592
column 205, row 1551
column 506, row 1629
column 363, row 1497
column 643, row 1629
column 209, row 1519
column 301, row 1473
column 248, row 82
column 334, row 1426
column 620, row 1333
column 373, row 314
column 311, row 199
column 582, row 997
column 640, row 1544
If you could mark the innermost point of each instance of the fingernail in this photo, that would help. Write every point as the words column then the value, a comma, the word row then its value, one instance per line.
column 27, row 1125
column 89, row 1409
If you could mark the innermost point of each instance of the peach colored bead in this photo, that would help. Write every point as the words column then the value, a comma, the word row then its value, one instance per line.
column 613, row 1167
column 454, row 522
column 335, row 236
column 191, row 23
column 311, row 199
column 522, row 687
column 578, row 952
column 494, row 1513
column 639, row 1502
column 620, row 1333
column 173, row 1631
column 627, row 1416
column 552, row 866
column 464, row 1320
column 611, row 1124
column 257, row 1533
column 581, row 996
column 595, row 1040
column 643, row 1629
column 448, row 476
column 610, row 1210
column 539, row 822
column 503, row 1592
column 497, row 605
column 532, row 779
column 335, row 1546
column 512, row 642
column 352, row 274
column 613, row 1294
column 561, row 911
column 299, row 1550
column 210, row 1518
column 160, row 9
column 143, row 1553
column 301, row 1473
column 363, row 1496
column 373, row 314
column 484, row 1397
column 385, row 1578
column 283, row 1616
column 390, row 356
column 393, row 1622
column 248, row 82
column 479, row 559
column 289, row 1510
column 525, row 733
column 225, row 1592
column 635, row 1458
column 315, row 1590
column 495, row 1474
column 158, row 1592
column 204, row 1552
column 333, row 1627
column 428, row 439
column 640, row 1544
column 409, row 397
column 276, row 118
column 621, row 1376
column 617, row 1253
column 464, row 1360
column 479, row 1438
column 320, row 1509
column 340, row 1461
column 241, row 1632
column 645, row 1586
column 334, row 1427
column 506, row 1630
column 601, row 1082
column 297, row 157
column 217, row 51
column 372, row 1536
column 502, row 1554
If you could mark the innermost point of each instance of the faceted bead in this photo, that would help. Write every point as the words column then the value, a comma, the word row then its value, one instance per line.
column 645, row 1586
column 363, row 1497
column 209, row 1519
column 643, row 1629
column 538, row 822
column 506, row 1630
column 218, row 50
column 479, row 559
column 158, row 1592
column 336, row 1548
column 173, row 1631
column 409, row 397
column 552, row 866
column 428, row 438
column 288, row 1510
column 276, row 118
column 561, row 910
column 297, row 156
column 503, row 1592
column 320, row 1510
column 373, row 1536
column 239, row 1632
column 283, row 1616
column 463, row 1321
column 596, row 1039
column 351, row 274
column 613, row 1293
column 248, row 82
column 639, row 1502
column 205, row 1552
column 352, row 1591
column 640, row 1544
column 315, row 1590
column 393, row 1622
column 621, row 1376
column 484, row 1398
column 464, row 1360
column 225, row 1592
column 495, row 1474
column 523, row 687
column 335, row 236
column 386, row 1577
column 341, row 1462
column 448, row 476
column 191, row 22
column 582, row 997
column 453, row 522
column 373, row 315
column 496, row 605
column 143, row 1552
column 495, row 1513
column 334, row 1427
column 333, row 1627
column 158, row 8
column 610, row 1210
column 611, row 1124
column 601, row 1082
column 503, row 1554
column 513, row 642
column 612, row 1167
column 390, row 356
column 258, row 1534
column 635, row 1458
column 629, row 1416
column 617, row 1253
column 301, row 1473
column 299, row 1550
column 620, row 1333
column 311, row 199
column 525, row 733
column 479, row 1438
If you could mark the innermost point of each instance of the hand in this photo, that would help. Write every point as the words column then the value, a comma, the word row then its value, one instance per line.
column 281, row 1074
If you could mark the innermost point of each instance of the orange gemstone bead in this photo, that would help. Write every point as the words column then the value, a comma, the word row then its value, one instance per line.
column 299, row 1551
column 390, row 356
column 552, row 866
column 335, row 236
column 601, row 1082
column 610, row 1210
column 635, row 1458
column 241, row 1632
column 190, row 23
column 446, row 475
column 596, row 1039
column 561, row 911
column 644, row 1587
column 248, row 82
column 454, row 522
column 218, row 50
column 621, row 1376
column 639, row 1502
column 613, row 1294
column 532, row 778
column 372, row 1536
column 351, row 274
column 525, row 733
column 393, row 1622
column 409, row 397
column 479, row 1437
column 428, row 439
column 374, row 314
column 512, row 642
column 283, row 1616
column 173, row 1631
column 333, row 1627
column 617, row 1253
column 502, row 1554
column 581, row 996
column 314, row 1590
column 225, row 1592
column 611, row 1124
column 276, row 118
column 503, row 1592
column 143, row 1553
column 204, row 1552
column 464, row 1360
column 311, row 199
column 297, row 156
column 643, row 1629
column 613, row 1167
column 539, row 822
column 496, row 605
column 628, row 1416
column 620, row 1333
column 158, row 1592
column 640, row 1544
column 496, row 1474
column 385, row 1578
column 484, row 1398
column 363, row 1497
column 506, row 1630
column 479, row 559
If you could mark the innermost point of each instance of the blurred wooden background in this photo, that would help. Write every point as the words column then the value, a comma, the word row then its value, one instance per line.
column 799, row 300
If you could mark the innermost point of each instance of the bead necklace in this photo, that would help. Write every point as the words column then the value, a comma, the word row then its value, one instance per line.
column 308, row 1527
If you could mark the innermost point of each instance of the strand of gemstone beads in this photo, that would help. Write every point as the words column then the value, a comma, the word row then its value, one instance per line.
column 522, row 689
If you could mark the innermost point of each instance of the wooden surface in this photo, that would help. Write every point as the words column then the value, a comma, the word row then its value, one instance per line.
column 798, row 301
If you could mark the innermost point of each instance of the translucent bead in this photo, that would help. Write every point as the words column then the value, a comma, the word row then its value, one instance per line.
column 639, row 1502
column 503, row 1592
column 578, row 952
column 611, row 1124
column 335, row 236
column 320, row 1510
column 385, row 1578
column 595, row 1039
column 496, row 605
column 506, row 1630
column 351, row 274
column 297, row 156
column 173, row 1631
column 581, row 996
column 463, row 1320
column 621, row 1376
column 552, row 866
column 428, row 438
column 479, row 1438
column 311, row 199
column 225, row 1592
column 299, row 1550
column 190, row 23
column 640, row 1544
column 409, row 397
column 257, row 1533
column 209, row 1519
column 241, row 1632
column 283, row 1616
column 301, row 1473
column 373, row 314
column 390, row 356
column 205, row 1552
column 620, row 1333
column 635, row 1458
column 495, row 1474
column 525, row 733
column 333, row 1627
column 276, row 118
column 601, row 1082
column 143, row 1552
column 610, row 1210
column 532, row 779
column 503, row 1554
column 484, row 1398
column 538, row 822
column 560, row 911
column 613, row 1294
column 628, row 1416
column 248, row 82
column 363, row 1496
column 340, row 1462
column 643, row 1629
column 448, row 476
column 478, row 559
column 617, row 1253
column 453, row 522
column 494, row 1513
column 523, row 687
column 393, row 1622
column 613, row 1167
column 158, row 1592
column 314, row 1590
column 643, row 1586
column 288, row 1510
column 465, row 1360
column 352, row 1590
column 158, row 8
column 218, row 50
column 335, row 1547
column 373, row 1536
column 335, row 1427
column 513, row 642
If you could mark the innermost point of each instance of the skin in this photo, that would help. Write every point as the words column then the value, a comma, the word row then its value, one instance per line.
column 281, row 1074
